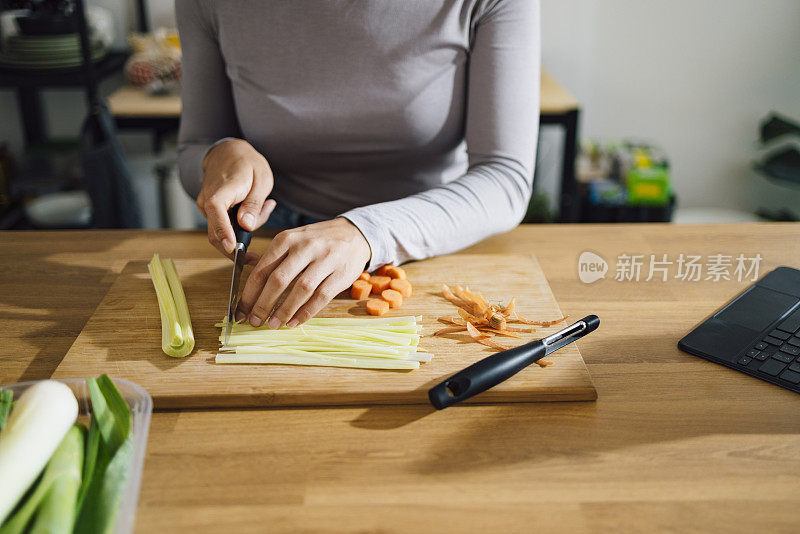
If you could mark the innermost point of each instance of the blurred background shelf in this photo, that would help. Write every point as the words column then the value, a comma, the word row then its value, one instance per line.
column 109, row 65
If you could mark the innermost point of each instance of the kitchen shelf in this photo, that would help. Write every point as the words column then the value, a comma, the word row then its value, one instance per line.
column 110, row 64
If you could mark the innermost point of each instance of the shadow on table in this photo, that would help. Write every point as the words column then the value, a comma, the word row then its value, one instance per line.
column 387, row 417
column 64, row 307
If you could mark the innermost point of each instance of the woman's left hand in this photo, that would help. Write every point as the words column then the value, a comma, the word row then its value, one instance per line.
column 322, row 259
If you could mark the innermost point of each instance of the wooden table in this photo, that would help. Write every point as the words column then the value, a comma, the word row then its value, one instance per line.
column 673, row 443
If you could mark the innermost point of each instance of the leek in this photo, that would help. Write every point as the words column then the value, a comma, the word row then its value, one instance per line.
column 53, row 500
column 89, row 460
column 380, row 343
column 57, row 512
column 177, row 337
column 34, row 429
column 100, row 501
column 6, row 399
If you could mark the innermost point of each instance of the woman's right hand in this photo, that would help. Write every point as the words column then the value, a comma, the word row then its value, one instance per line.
column 234, row 172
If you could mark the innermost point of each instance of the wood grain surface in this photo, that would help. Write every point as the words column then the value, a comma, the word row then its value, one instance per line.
column 123, row 338
column 672, row 444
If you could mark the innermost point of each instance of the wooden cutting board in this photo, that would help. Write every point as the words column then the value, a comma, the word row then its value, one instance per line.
column 123, row 339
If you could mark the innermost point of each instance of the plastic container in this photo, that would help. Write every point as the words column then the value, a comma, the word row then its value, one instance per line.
column 141, row 406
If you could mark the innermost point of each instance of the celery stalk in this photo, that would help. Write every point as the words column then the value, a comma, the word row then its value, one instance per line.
column 180, row 302
column 177, row 337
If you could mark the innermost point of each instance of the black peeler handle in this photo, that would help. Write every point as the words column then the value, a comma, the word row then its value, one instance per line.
column 242, row 236
column 499, row 367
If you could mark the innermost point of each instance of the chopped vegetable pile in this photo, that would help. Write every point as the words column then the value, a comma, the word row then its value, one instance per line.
column 388, row 282
column 177, row 337
column 482, row 320
column 57, row 476
column 376, row 343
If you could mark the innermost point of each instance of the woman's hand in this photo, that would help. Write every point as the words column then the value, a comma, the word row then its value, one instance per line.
column 322, row 259
column 234, row 172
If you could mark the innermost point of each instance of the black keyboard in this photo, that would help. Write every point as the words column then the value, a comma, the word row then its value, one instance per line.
column 758, row 332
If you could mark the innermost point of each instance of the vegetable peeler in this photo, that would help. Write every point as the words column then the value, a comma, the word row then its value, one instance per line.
column 243, row 238
column 499, row 367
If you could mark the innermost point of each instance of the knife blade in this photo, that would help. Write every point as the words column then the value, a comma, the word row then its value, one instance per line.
column 243, row 238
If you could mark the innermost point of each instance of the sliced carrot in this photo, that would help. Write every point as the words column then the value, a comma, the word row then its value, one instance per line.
column 523, row 320
column 477, row 308
column 508, row 310
column 483, row 339
column 446, row 293
column 516, row 329
column 363, row 276
column 499, row 332
column 495, row 320
column 454, row 321
column 396, row 272
column 450, row 330
column 394, row 298
column 403, row 286
column 377, row 307
column 382, row 270
column 379, row 283
column 463, row 295
column 360, row 290
column 469, row 317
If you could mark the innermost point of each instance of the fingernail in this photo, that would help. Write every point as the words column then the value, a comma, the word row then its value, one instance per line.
column 256, row 321
column 292, row 323
column 249, row 220
column 227, row 245
column 274, row 323
column 239, row 315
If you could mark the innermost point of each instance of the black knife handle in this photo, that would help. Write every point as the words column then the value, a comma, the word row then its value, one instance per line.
column 495, row 369
column 242, row 236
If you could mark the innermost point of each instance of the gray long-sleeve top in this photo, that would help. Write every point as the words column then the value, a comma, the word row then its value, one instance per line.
column 414, row 119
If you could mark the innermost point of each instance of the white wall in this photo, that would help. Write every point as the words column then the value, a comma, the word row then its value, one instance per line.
column 695, row 76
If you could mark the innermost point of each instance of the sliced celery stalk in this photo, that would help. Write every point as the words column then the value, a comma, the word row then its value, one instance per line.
column 388, row 343
column 319, row 360
column 177, row 337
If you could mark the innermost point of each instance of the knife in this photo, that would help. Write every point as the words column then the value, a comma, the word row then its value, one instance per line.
column 243, row 238
column 499, row 367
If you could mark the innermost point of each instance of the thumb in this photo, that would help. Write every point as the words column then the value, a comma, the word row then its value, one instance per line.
column 266, row 211
column 253, row 204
